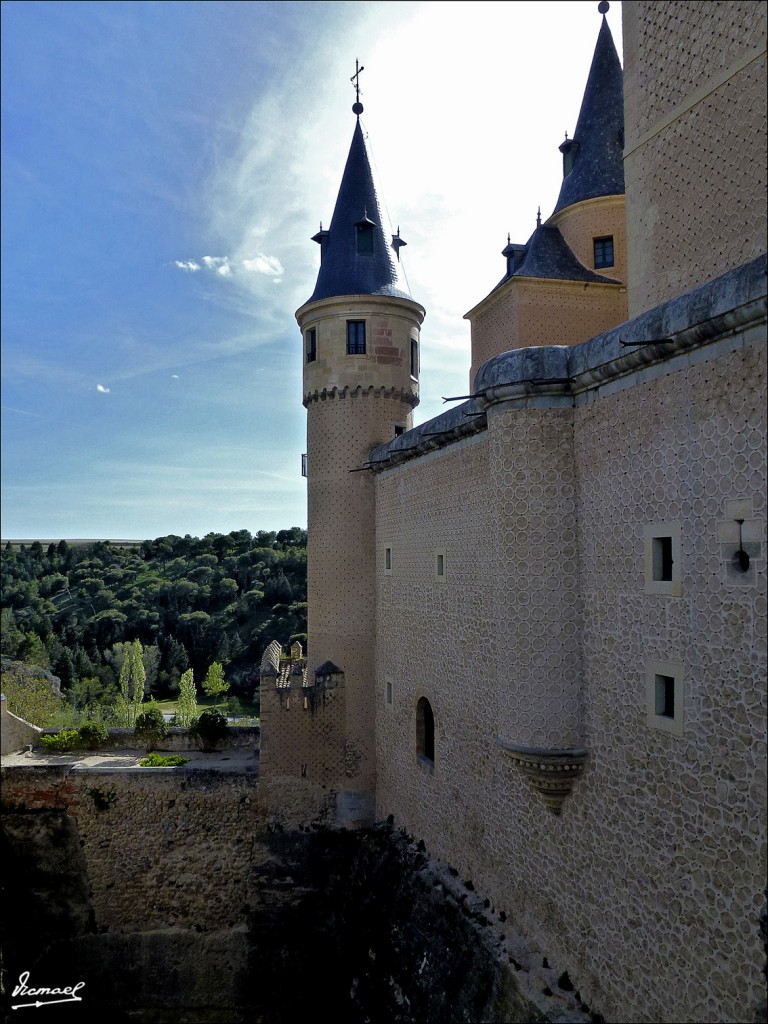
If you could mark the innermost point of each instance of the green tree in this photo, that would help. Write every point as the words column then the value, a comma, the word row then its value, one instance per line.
column 186, row 706
column 30, row 695
column 214, row 682
column 132, row 679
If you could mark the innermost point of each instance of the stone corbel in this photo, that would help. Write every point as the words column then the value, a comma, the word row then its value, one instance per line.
column 551, row 772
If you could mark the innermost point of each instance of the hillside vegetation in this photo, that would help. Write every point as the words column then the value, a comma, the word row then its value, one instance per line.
column 76, row 609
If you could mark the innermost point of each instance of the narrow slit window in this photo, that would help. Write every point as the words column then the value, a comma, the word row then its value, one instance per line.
column 311, row 345
column 425, row 732
column 665, row 696
column 415, row 358
column 662, row 559
column 440, row 563
column 387, row 561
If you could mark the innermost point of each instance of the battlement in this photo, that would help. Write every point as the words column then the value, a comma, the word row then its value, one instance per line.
column 302, row 717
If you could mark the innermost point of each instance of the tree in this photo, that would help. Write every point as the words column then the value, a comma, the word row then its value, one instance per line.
column 132, row 679
column 150, row 728
column 186, row 705
column 214, row 682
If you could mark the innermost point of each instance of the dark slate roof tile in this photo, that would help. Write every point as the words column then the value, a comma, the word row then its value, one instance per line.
column 344, row 270
column 598, row 168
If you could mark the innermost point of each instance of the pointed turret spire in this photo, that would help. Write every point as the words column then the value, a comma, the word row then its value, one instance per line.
column 593, row 162
column 357, row 256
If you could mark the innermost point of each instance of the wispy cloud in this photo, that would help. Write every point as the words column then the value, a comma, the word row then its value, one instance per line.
column 225, row 266
column 261, row 264
column 219, row 264
column 102, row 389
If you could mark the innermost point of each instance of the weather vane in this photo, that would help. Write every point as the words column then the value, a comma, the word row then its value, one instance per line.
column 357, row 106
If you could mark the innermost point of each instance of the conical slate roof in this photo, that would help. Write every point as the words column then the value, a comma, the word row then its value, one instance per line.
column 548, row 255
column 597, row 144
column 348, row 267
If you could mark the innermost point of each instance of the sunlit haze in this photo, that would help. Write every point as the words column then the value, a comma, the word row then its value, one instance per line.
column 164, row 168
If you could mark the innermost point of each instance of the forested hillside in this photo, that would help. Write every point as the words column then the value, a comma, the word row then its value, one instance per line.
column 72, row 608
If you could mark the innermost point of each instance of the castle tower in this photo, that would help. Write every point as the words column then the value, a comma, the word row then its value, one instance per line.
column 567, row 283
column 360, row 329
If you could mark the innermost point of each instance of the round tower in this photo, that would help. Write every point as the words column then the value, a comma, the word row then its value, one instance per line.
column 360, row 331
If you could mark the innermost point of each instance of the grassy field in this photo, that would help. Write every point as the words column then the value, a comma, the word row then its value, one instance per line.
column 169, row 706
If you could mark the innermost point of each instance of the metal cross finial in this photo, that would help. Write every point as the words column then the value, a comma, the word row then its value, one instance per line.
column 357, row 107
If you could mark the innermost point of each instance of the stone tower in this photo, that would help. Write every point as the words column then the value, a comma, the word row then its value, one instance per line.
column 360, row 330
column 568, row 282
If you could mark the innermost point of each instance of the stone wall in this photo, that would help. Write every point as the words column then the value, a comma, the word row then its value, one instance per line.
column 695, row 168
column 15, row 733
column 648, row 889
column 174, row 897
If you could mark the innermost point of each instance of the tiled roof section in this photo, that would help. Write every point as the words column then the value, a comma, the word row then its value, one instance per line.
column 452, row 425
column 598, row 166
column 548, row 255
column 344, row 270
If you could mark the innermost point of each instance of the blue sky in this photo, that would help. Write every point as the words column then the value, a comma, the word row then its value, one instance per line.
column 164, row 166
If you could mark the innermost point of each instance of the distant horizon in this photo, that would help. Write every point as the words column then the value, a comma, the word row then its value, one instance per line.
column 134, row 540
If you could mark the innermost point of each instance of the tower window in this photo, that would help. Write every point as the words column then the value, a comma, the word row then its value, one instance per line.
column 603, row 252
column 415, row 358
column 311, row 345
column 364, row 237
column 355, row 337
column 425, row 733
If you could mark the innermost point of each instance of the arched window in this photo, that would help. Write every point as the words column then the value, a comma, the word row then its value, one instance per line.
column 425, row 731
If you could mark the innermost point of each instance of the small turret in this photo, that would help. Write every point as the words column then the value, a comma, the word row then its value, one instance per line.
column 593, row 160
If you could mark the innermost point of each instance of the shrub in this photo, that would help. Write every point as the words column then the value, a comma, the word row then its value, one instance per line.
column 93, row 735
column 209, row 729
column 163, row 761
column 68, row 739
column 150, row 728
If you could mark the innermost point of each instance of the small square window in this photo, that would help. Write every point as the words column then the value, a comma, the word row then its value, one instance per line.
column 664, row 696
column 662, row 562
column 603, row 252
column 355, row 337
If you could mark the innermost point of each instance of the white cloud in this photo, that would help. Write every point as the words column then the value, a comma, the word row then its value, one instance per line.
column 102, row 389
column 261, row 264
column 188, row 265
column 220, row 264
column 174, row 376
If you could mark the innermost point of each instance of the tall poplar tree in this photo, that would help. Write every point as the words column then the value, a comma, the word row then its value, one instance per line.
column 186, row 705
